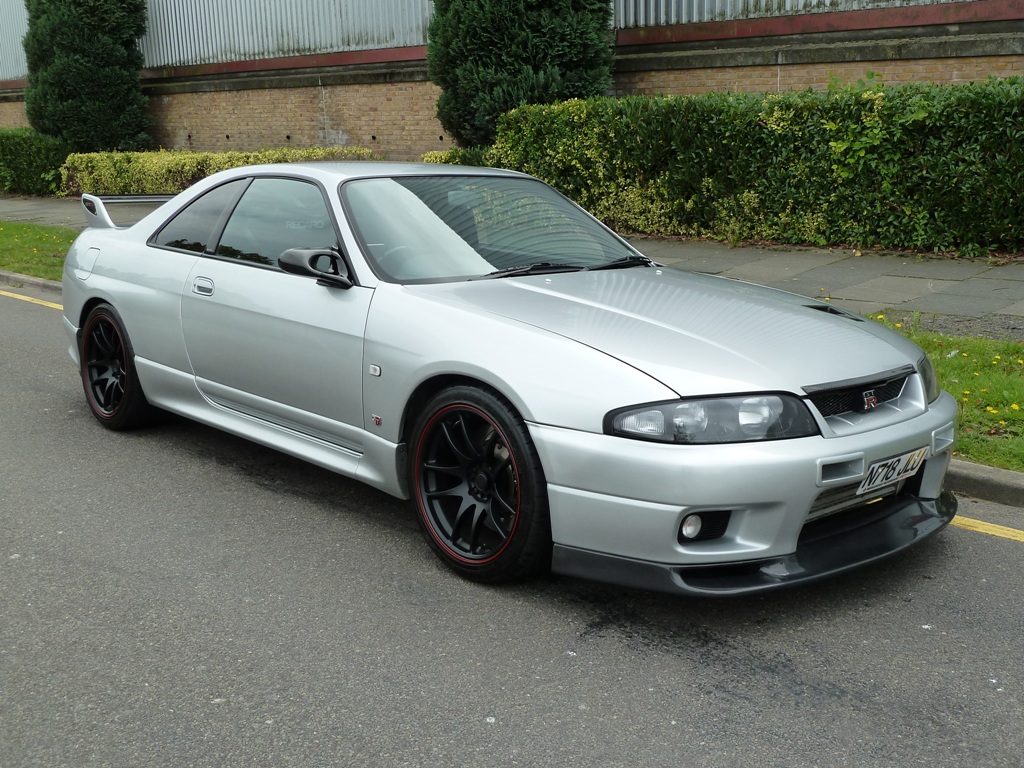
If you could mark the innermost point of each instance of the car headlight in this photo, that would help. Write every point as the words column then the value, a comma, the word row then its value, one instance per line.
column 929, row 378
column 738, row 419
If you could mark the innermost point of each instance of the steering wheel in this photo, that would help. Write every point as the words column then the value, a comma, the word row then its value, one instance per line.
column 395, row 260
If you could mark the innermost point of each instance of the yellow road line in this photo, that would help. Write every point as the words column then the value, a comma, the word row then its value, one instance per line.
column 992, row 530
column 30, row 300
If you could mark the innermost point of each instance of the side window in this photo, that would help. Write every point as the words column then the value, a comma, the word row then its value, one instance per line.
column 193, row 228
column 273, row 216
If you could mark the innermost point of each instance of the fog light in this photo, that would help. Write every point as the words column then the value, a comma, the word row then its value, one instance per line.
column 690, row 529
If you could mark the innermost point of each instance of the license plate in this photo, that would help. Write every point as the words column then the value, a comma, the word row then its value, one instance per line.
column 893, row 470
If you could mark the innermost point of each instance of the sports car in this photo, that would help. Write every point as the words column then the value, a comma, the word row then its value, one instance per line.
column 546, row 397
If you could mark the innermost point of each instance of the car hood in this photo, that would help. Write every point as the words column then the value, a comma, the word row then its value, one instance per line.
column 696, row 334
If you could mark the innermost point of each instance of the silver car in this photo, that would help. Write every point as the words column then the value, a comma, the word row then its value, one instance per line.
column 546, row 396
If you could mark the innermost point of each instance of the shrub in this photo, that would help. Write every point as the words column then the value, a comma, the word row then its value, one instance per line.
column 30, row 162
column 476, row 156
column 914, row 166
column 165, row 173
column 489, row 56
column 84, row 69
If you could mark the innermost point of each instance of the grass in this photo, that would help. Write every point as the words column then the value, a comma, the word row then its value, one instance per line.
column 34, row 250
column 986, row 376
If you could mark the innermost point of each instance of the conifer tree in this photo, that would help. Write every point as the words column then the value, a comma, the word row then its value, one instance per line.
column 84, row 69
column 490, row 56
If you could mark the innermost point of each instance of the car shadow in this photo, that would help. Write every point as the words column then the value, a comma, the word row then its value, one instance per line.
column 648, row 622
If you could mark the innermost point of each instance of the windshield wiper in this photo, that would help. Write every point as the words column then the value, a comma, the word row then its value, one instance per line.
column 541, row 268
column 624, row 263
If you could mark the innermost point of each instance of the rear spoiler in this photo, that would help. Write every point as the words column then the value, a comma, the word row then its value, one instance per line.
column 95, row 207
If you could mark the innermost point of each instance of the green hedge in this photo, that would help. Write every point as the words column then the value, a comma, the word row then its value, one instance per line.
column 913, row 166
column 30, row 162
column 162, row 173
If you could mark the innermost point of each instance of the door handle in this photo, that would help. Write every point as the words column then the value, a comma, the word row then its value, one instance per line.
column 203, row 286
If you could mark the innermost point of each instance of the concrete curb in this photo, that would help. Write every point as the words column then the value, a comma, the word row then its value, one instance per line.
column 39, row 283
column 987, row 483
column 976, row 480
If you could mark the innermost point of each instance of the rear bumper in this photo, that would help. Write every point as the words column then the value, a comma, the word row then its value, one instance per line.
column 826, row 548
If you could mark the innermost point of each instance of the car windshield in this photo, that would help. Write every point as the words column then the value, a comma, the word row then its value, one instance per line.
column 447, row 227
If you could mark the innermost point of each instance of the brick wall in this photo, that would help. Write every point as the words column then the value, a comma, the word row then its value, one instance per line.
column 12, row 114
column 395, row 119
column 389, row 106
column 796, row 77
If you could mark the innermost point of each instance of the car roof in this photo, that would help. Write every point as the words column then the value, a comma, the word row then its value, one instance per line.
column 334, row 172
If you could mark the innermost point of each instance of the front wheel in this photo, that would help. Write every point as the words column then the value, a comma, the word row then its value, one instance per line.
column 478, row 487
column 112, row 388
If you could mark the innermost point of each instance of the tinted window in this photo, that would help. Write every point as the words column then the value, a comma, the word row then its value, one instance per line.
column 273, row 216
column 193, row 228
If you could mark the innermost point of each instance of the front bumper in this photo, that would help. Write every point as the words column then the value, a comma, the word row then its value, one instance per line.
column 617, row 505
column 829, row 547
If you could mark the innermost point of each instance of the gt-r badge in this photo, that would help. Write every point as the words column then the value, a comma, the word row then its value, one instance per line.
column 870, row 399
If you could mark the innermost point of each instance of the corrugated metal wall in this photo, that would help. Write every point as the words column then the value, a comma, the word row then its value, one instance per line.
column 185, row 32
column 12, row 32
column 655, row 13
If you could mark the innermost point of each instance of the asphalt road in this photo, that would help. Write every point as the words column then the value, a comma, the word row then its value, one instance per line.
column 177, row 597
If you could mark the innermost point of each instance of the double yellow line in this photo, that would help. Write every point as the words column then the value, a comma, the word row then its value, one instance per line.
column 966, row 523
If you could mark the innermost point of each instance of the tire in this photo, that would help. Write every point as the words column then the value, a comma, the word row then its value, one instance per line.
column 478, row 487
column 112, row 387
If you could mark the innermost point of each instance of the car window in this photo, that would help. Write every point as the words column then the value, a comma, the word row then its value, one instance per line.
column 193, row 228
column 422, row 228
column 523, row 222
column 405, row 235
column 273, row 216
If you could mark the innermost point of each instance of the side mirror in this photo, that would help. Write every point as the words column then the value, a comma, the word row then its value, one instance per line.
column 325, row 265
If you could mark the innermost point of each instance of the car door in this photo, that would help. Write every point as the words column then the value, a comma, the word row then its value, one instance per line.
column 274, row 345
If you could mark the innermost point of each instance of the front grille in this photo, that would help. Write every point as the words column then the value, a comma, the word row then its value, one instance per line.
column 859, row 396
column 846, row 497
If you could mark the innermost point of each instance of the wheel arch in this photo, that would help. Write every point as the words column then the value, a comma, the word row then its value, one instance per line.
column 89, row 305
column 416, row 402
column 427, row 388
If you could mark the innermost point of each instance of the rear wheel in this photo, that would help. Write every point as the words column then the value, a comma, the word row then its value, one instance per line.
column 478, row 487
column 112, row 387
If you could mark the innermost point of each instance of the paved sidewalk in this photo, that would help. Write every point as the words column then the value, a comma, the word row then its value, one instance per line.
column 965, row 294
column 863, row 283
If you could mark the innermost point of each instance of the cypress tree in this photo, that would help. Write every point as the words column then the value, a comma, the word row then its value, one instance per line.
column 491, row 56
column 84, row 68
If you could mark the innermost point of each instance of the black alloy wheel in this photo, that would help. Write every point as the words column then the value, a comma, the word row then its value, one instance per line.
column 112, row 388
column 478, row 487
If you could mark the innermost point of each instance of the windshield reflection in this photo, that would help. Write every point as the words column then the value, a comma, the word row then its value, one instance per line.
column 436, row 228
